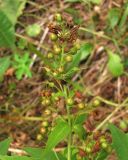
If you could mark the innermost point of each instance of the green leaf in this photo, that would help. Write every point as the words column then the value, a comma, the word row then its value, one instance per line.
column 4, row 145
column 80, row 119
column 59, row 133
column 102, row 155
column 7, row 33
column 114, row 64
column 21, row 64
column 15, row 158
column 78, row 129
column 120, row 142
column 75, row 62
column 96, row 1
column 85, row 50
column 4, row 64
column 113, row 17
column 13, row 9
column 36, row 152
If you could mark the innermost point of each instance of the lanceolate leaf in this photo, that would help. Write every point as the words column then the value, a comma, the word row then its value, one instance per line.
column 114, row 64
column 7, row 33
column 120, row 142
column 4, row 64
column 13, row 9
column 59, row 133
column 85, row 50
column 4, row 145
column 113, row 17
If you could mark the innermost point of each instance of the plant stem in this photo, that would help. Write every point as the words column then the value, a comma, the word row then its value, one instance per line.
column 70, row 134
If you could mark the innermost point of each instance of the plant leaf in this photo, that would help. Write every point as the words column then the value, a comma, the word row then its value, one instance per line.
column 120, row 142
column 4, row 145
column 15, row 158
column 36, row 152
column 96, row 1
column 114, row 64
column 7, row 33
column 80, row 119
column 85, row 50
column 4, row 64
column 13, row 9
column 59, row 133
column 102, row 155
column 113, row 17
column 78, row 129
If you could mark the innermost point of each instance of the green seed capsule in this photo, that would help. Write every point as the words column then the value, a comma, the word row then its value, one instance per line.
column 81, row 105
column 47, row 112
column 96, row 103
column 53, row 37
column 39, row 137
column 58, row 17
column 61, row 70
column 88, row 149
column 104, row 145
column 57, row 50
column 68, row 58
column 45, row 124
column 69, row 101
column 50, row 55
column 47, row 101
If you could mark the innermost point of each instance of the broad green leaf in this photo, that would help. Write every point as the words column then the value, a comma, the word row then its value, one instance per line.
column 113, row 17
column 75, row 62
column 4, row 145
column 15, row 158
column 36, row 152
column 59, row 133
column 114, row 64
column 80, row 131
column 80, row 119
column 4, row 64
column 7, row 33
column 12, row 9
column 102, row 155
column 86, row 50
column 120, row 142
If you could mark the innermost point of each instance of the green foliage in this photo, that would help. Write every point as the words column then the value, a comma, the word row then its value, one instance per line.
column 113, row 17
column 21, row 64
column 9, row 12
column 7, row 33
column 79, row 129
column 102, row 155
column 85, row 50
column 4, row 145
column 80, row 119
column 36, row 153
column 15, row 158
column 115, row 65
column 4, row 64
column 59, row 133
column 120, row 142
column 12, row 9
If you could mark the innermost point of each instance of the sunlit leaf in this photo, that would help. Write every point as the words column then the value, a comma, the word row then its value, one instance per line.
column 120, row 142
column 115, row 65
